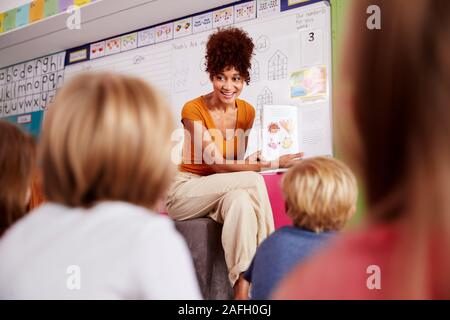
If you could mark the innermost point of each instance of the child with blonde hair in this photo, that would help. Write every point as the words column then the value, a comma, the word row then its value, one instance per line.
column 105, row 158
column 320, row 196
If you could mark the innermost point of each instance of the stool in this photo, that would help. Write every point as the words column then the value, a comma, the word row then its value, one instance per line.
column 203, row 237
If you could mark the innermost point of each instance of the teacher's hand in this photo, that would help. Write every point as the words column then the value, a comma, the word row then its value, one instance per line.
column 288, row 160
column 254, row 157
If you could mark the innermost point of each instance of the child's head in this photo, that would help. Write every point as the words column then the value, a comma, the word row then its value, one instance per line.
column 320, row 194
column 107, row 137
column 396, row 137
column 394, row 120
column 17, row 163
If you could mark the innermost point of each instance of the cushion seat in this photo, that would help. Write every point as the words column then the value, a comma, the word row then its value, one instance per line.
column 203, row 237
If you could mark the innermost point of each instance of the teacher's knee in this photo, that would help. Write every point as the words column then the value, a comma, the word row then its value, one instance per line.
column 238, row 204
column 237, row 198
column 252, row 178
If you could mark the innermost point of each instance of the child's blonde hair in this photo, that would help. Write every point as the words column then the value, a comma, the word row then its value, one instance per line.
column 320, row 194
column 107, row 137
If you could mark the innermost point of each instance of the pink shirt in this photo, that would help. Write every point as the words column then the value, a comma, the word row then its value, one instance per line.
column 341, row 270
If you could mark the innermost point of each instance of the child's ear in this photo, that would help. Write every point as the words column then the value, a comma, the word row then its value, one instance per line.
column 352, row 211
column 28, row 196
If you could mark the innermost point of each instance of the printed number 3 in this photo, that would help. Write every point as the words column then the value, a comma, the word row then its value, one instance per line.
column 311, row 37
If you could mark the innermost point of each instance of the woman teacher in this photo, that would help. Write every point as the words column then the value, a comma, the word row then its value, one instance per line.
column 214, row 179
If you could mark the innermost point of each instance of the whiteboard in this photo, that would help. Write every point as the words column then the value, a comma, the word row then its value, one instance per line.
column 283, row 50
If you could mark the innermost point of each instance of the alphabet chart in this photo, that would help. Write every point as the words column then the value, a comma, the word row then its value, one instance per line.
column 30, row 86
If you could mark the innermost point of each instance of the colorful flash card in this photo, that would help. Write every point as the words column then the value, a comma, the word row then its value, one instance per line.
column 223, row 17
column 36, row 10
column 129, row 41
column 2, row 17
column 64, row 4
column 164, row 32
column 267, row 7
column 146, row 37
column 97, row 50
column 112, row 46
column 202, row 22
column 78, row 55
column 50, row 7
column 245, row 11
column 182, row 28
column 81, row 2
column 10, row 19
column 22, row 15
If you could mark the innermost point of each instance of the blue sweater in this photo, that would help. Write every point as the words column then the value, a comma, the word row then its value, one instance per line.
column 276, row 255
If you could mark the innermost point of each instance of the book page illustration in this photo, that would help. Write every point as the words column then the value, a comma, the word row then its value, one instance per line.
column 279, row 131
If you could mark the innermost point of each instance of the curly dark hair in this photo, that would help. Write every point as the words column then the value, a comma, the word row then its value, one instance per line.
column 231, row 47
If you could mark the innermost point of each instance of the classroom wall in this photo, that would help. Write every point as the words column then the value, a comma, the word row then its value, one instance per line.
column 339, row 11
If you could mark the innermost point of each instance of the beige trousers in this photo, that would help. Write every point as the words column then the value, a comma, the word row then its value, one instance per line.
column 238, row 200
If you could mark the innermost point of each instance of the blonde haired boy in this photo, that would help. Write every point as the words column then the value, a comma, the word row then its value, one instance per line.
column 320, row 196
column 105, row 157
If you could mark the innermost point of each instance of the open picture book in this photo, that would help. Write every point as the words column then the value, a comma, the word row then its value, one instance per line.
column 279, row 131
column 287, row 129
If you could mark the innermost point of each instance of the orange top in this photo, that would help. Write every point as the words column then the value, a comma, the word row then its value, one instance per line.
column 197, row 110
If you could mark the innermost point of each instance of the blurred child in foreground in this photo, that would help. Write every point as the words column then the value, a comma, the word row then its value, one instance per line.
column 394, row 107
